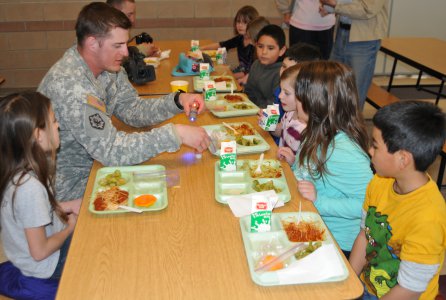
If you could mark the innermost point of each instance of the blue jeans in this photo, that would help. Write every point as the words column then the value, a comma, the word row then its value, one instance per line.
column 367, row 295
column 360, row 56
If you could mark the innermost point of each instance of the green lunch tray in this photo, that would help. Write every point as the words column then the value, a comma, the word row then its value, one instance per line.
column 229, row 184
column 224, row 108
column 145, row 179
column 226, row 134
column 199, row 84
column 275, row 242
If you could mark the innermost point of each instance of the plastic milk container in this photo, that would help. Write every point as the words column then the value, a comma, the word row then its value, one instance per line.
column 204, row 71
column 210, row 90
column 228, row 156
column 270, row 117
column 260, row 214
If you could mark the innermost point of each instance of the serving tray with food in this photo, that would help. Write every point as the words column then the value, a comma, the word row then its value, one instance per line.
column 132, row 188
column 223, row 83
column 247, row 138
column 232, row 105
column 305, row 235
column 245, row 180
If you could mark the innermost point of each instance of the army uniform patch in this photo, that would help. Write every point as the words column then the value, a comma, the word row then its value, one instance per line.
column 97, row 124
column 96, row 121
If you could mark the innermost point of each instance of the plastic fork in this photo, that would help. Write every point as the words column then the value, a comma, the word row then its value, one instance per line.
column 259, row 165
column 230, row 127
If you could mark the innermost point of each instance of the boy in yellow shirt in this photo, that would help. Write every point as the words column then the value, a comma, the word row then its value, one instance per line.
column 400, row 249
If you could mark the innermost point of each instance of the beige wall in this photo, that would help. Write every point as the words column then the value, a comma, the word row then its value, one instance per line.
column 35, row 33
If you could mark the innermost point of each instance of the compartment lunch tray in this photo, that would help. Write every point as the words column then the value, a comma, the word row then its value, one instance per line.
column 223, row 108
column 278, row 240
column 215, row 146
column 199, row 83
column 229, row 184
column 135, row 186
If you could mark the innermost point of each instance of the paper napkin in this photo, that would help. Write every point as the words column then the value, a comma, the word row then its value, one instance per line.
column 241, row 205
column 322, row 265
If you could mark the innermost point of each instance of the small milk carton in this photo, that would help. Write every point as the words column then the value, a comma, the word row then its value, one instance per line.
column 210, row 90
column 204, row 71
column 270, row 117
column 260, row 214
column 228, row 156
column 194, row 45
column 220, row 56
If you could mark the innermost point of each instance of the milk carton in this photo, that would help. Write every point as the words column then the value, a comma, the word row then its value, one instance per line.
column 228, row 156
column 210, row 90
column 194, row 45
column 204, row 71
column 270, row 117
column 220, row 56
column 260, row 214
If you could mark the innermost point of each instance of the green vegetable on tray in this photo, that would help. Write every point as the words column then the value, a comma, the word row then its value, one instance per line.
column 246, row 142
column 308, row 250
column 113, row 179
column 260, row 187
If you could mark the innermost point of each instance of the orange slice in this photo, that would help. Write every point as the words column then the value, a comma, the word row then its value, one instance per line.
column 269, row 258
column 145, row 200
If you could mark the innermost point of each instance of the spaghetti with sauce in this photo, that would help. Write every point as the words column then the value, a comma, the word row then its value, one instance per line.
column 110, row 199
column 303, row 231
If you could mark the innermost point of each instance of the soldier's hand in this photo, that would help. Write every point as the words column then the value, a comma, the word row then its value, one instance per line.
column 186, row 100
column 193, row 136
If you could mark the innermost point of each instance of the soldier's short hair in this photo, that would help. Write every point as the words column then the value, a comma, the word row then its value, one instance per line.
column 118, row 3
column 98, row 19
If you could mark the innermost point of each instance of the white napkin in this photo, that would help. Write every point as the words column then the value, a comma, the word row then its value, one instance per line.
column 319, row 266
column 165, row 54
column 241, row 205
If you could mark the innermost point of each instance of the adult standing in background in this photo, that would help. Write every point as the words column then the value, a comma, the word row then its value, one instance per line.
column 361, row 26
column 88, row 85
column 128, row 7
column 307, row 25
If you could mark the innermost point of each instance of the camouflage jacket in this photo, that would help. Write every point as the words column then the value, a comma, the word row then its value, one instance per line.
column 84, row 105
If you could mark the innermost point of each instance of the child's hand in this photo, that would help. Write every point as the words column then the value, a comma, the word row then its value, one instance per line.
column 259, row 115
column 72, row 219
column 307, row 190
column 285, row 153
column 243, row 80
column 72, row 206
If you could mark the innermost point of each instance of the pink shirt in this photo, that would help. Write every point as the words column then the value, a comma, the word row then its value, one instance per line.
column 291, row 132
column 306, row 16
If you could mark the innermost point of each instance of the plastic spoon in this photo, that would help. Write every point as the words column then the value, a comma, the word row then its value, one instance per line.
column 230, row 127
column 125, row 207
column 299, row 216
column 259, row 165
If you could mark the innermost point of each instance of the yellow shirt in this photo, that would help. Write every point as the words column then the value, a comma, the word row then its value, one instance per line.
column 410, row 227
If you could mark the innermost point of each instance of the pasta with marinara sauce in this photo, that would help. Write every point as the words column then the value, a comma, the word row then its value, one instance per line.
column 110, row 199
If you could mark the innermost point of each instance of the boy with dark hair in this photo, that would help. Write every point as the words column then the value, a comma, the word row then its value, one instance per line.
column 400, row 249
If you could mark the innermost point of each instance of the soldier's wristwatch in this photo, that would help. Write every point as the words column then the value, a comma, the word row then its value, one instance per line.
column 176, row 98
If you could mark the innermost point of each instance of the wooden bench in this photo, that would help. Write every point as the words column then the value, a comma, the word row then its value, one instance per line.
column 379, row 97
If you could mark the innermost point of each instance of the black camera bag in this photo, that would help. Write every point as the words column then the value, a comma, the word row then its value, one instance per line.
column 137, row 70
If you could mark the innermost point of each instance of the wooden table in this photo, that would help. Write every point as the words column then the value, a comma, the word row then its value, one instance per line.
column 161, row 85
column 193, row 249
column 425, row 54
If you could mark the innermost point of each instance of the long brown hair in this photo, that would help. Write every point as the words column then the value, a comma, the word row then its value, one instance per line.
column 329, row 97
column 20, row 115
column 245, row 14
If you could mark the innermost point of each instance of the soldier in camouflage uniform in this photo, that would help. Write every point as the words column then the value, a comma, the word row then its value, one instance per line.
column 88, row 85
